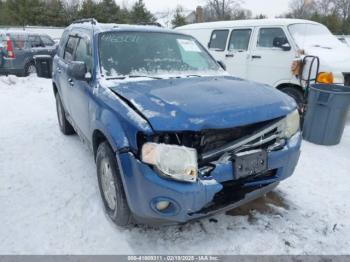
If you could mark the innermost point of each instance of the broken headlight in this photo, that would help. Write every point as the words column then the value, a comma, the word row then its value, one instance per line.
column 175, row 162
column 291, row 124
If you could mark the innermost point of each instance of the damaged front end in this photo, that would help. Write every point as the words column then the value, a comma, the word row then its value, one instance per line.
column 200, row 173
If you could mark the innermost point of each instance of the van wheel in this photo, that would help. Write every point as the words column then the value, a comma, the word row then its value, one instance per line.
column 65, row 127
column 30, row 69
column 111, row 186
column 296, row 94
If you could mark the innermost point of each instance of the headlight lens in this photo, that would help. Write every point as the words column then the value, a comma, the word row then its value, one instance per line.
column 176, row 162
column 291, row 124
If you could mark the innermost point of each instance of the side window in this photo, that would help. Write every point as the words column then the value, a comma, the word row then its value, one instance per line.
column 18, row 41
column 70, row 48
column 47, row 41
column 83, row 53
column 239, row 40
column 218, row 40
column 271, row 37
column 35, row 41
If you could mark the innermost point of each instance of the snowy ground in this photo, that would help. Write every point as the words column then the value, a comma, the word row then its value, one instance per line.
column 50, row 204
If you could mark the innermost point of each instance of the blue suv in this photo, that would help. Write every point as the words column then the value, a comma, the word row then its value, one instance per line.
column 175, row 138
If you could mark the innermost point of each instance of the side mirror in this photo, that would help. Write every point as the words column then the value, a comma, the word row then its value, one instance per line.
column 282, row 42
column 222, row 64
column 78, row 71
column 43, row 65
column 286, row 47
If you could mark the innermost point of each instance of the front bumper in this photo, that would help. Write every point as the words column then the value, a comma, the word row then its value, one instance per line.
column 143, row 187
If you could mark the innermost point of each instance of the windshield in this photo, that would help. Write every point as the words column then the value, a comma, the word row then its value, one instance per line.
column 313, row 35
column 148, row 54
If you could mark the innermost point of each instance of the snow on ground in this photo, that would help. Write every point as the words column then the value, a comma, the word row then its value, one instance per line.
column 50, row 204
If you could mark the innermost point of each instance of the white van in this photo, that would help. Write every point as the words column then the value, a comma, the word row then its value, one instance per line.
column 271, row 51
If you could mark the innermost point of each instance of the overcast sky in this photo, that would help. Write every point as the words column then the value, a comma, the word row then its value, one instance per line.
column 267, row 7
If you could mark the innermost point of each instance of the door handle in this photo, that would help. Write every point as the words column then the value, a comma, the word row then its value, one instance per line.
column 71, row 82
column 256, row 57
column 230, row 55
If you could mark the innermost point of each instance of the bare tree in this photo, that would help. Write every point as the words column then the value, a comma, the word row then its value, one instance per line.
column 325, row 7
column 343, row 8
column 222, row 9
column 301, row 8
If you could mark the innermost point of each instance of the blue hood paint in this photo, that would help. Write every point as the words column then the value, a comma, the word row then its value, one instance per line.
column 204, row 102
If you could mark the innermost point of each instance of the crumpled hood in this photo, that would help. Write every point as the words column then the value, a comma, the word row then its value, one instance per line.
column 204, row 102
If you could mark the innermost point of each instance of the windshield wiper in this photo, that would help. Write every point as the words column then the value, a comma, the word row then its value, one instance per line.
column 132, row 76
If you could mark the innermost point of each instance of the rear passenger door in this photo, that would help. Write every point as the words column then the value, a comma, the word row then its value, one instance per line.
column 218, row 42
column 237, row 54
column 62, row 68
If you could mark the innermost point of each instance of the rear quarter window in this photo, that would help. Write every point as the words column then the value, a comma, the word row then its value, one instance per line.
column 19, row 41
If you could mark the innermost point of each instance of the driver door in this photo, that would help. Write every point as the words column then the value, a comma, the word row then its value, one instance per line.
column 268, row 63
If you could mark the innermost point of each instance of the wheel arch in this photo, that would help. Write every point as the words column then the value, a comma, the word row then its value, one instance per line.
column 284, row 85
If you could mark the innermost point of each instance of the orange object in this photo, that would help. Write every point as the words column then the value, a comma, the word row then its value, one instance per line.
column 325, row 78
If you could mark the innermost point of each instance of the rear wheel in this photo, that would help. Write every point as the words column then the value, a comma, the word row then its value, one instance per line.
column 65, row 127
column 111, row 186
column 30, row 69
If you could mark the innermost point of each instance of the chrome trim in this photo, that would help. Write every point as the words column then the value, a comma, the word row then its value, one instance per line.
column 244, row 141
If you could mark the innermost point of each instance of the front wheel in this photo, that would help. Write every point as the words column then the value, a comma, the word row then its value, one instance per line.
column 111, row 186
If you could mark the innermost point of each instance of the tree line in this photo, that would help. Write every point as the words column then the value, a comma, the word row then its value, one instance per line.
column 63, row 12
column 335, row 14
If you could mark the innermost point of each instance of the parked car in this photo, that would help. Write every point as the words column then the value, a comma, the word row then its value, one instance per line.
column 265, row 50
column 174, row 137
column 17, row 49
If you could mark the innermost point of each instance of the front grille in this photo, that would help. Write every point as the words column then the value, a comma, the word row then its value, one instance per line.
column 261, row 136
column 346, row 79
column 215, row 139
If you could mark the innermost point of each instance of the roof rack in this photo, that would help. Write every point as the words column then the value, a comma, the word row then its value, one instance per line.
column 85, row 20
column 151, row 23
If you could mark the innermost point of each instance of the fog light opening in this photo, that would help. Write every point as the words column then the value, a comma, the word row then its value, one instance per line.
column 162, row 205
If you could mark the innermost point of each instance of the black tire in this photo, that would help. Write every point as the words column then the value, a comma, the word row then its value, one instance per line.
column 65, row 127
column 28, row 69
column 296, row 94
column 120, row 212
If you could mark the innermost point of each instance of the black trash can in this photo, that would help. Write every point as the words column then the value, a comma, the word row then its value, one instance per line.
column 43, row 64
column 328, row 106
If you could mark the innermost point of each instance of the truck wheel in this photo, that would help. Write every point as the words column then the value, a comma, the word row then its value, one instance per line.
column 65, row 127
column 111, row 186
column 297, row 94
column 30, row 69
